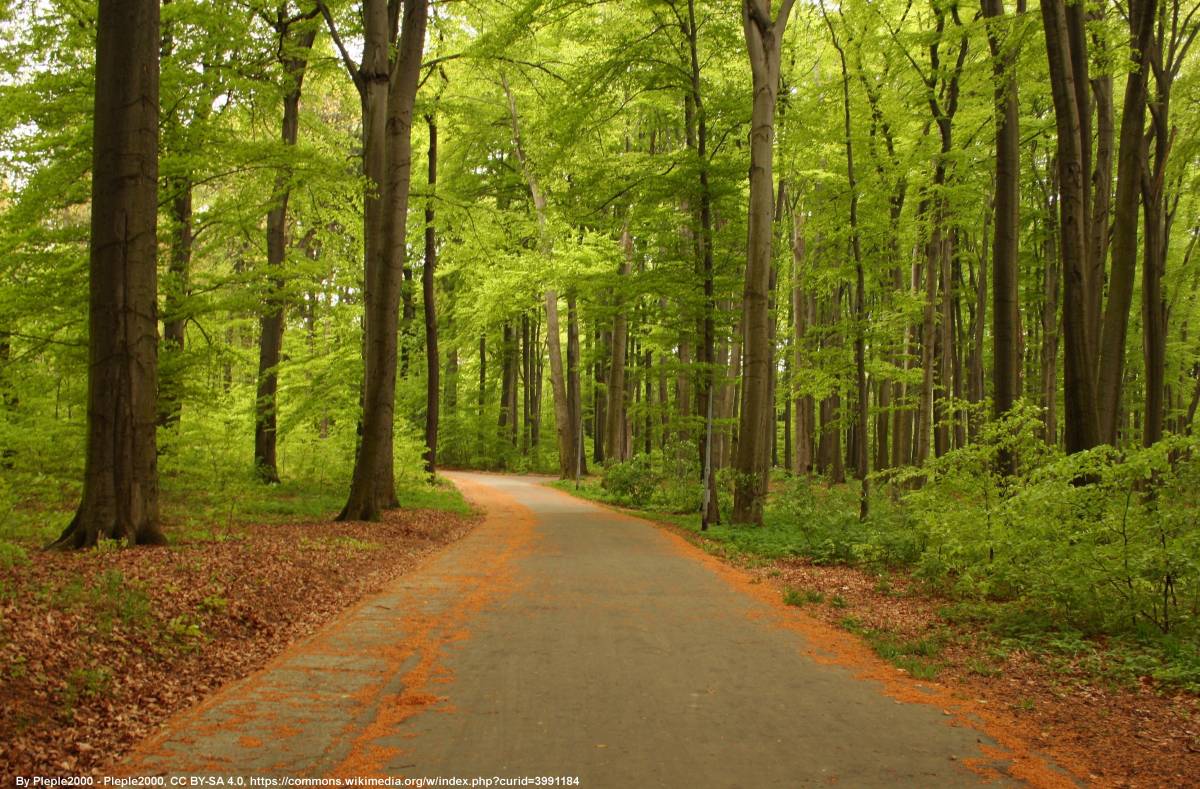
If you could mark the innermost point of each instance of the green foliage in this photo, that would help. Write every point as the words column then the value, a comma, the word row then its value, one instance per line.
column 631, row 483
column 1101, row 541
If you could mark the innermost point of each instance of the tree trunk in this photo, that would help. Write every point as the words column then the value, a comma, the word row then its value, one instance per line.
column 1005, row 274
column 763, row 38
column 1073, row 121
column 706, row 384
column 860, row 309
column 1130, row 165
column 802, row 460
column 526, row 368
column 372, row 486
column 271, row 322
column 574, row 391
column 120, row 478
column 616, row 446
column 1050, row 318
column 562, row 413
column 600, row 398
column 170, row 396
column 508, row 387
column 432, row 358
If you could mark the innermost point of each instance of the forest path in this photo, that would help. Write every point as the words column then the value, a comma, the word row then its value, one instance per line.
column 563, row 639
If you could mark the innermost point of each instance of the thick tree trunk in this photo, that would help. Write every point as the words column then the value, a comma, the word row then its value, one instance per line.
column 1130, row 165
column 763, row 38
column 1072, row 118
column 372, row 486
column 120, row 478
column 1156, row 229
column 432, row 358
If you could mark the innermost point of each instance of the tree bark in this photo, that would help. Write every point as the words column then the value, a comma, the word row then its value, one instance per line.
column 432, row 357
column 372, row 487
column 1130, row 165
column 120, row 479
column 294, row 58
column 1072, row 122
column 574, row 391
column 764, row 36
column 616, row 445
column 170, row 396
column 860, row 309
column 1005, row 274
column 802, row 462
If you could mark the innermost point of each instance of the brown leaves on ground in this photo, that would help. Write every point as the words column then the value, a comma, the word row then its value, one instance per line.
column 98, row 648
column 1116, row 736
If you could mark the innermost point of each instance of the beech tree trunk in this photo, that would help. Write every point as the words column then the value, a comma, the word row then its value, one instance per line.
column 763, row 38
column 1072, row 119
column 294, row 57
column 1005, row 274
column 432, row 357
column 120, row 478
column 1130, row 165
column 574, row 391
column 175, row 292
column 802, row 407
column 860, row 309
column 372, row 487
column 616, row 445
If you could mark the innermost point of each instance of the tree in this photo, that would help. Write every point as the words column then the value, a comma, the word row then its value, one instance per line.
column 432, row 358
column 294, row 46
column 1005, row 280
column 764, row 36
column 120, row 483
column 388, row 94
column 1068, row 81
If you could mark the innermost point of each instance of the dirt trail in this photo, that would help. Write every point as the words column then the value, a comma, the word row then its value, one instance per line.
column 562, row 639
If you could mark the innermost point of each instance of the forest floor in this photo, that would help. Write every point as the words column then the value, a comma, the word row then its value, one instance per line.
column 1112, row 733
column 98, row 648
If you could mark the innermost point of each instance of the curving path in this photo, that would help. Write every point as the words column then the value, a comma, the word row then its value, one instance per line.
column 563, row 639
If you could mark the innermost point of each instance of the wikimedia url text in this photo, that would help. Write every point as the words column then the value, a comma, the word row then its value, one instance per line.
column 204, row 781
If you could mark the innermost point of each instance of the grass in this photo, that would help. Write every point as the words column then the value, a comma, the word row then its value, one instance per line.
column 199, row 509
column 800, row 597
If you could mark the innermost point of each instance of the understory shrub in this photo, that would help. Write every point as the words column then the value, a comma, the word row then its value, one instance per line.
column 667, row 480
column 1103, row 541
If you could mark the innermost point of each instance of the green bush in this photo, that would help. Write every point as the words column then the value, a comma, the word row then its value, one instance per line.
column 1101, row 541
column 632, row 482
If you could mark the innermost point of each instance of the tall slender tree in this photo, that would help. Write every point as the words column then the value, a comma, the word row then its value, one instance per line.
column 764, row 37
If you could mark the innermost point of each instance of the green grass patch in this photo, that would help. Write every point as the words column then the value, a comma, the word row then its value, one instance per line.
column 801, row 597
column 916, row 656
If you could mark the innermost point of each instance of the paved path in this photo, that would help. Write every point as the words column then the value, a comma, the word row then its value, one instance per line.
column 562, row 639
